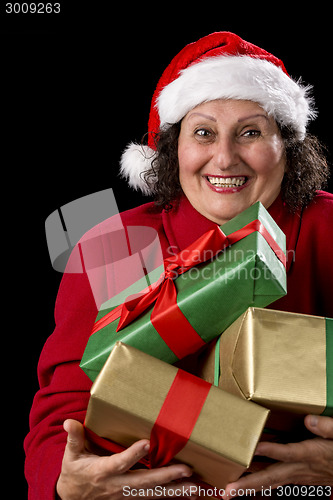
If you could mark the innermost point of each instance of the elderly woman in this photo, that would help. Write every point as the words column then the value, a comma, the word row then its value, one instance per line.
column 227, row 128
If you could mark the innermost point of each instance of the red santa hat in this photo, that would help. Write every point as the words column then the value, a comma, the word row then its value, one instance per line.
column 218, row 66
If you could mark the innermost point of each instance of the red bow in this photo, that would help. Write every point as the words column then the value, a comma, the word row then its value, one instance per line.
column 214, row 240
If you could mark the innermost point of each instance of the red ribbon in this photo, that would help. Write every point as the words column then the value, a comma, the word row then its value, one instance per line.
column 177, row 417
column 166, row 317
column 213, row 241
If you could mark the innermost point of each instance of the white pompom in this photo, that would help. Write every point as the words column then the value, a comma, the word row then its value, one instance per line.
column 135, row 160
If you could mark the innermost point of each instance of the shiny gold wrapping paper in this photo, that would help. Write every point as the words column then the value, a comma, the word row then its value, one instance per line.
column 126, row 399
column 276, row 359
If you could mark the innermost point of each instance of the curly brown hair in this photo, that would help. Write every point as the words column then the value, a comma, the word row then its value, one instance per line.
column 306, row 168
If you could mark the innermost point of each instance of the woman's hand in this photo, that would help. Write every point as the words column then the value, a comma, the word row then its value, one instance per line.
column 86, row 476
column 309, row 462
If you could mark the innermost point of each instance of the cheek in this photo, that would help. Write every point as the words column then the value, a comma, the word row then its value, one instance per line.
column 269, row 160
column 189, row 160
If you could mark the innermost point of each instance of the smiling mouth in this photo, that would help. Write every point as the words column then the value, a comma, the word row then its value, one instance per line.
column 227, row 182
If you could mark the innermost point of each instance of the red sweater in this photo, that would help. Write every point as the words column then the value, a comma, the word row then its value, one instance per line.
column 64, row 387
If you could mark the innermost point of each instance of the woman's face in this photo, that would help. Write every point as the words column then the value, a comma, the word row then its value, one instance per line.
column 231, row 155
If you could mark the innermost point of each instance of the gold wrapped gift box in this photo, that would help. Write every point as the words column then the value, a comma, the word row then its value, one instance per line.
column 276, row 359
column 126, row 399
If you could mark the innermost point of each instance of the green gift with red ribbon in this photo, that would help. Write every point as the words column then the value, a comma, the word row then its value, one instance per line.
column 197, row 294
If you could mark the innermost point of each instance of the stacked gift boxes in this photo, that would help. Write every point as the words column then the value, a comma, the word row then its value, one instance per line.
column 177, row 315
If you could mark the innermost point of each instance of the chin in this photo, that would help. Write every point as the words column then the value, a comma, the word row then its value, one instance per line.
column 225, row 213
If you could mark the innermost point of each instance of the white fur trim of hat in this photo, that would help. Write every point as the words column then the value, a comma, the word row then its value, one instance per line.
column 241, row 77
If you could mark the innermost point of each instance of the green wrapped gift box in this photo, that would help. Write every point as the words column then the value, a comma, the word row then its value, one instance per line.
column 208, row 297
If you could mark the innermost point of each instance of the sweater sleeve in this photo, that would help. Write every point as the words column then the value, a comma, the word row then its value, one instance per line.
column 320, row 232
column 64, row 387
column 310, row 248
column 102, row 264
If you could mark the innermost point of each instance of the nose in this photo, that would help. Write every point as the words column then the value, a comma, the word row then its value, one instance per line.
column 226, row 154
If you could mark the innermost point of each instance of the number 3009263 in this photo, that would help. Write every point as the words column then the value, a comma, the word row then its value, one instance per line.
column 32, row 8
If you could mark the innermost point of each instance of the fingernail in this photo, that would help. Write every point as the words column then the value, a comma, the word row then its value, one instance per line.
column 258, row 450
column 187, row 474
column 313, row 420
column 146, row 447
column 65, row 424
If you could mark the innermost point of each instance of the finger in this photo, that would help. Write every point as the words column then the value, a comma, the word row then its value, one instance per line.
column 275, row 475
column 75, row 438
column 321, row 426
column 123, row 461
column 290, row 452
column 162, row 475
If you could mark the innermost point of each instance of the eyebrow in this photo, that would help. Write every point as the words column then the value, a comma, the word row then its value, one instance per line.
column 252, row 116
column 203, row 115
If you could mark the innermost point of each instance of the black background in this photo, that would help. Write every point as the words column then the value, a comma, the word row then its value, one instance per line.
column 76, row 88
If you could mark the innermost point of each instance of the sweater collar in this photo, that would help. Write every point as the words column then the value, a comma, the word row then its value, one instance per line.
column 183, row 224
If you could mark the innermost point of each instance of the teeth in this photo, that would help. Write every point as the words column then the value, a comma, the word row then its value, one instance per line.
column 227, row 181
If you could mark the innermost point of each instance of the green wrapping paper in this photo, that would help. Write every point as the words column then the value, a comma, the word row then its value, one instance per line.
column 211, row 295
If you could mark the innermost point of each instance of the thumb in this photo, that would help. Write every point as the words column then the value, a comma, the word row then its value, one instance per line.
column 75, row 438
column 321, row 426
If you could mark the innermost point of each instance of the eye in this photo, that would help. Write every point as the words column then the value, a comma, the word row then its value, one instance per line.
column 203, row 134
column 251, row 133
